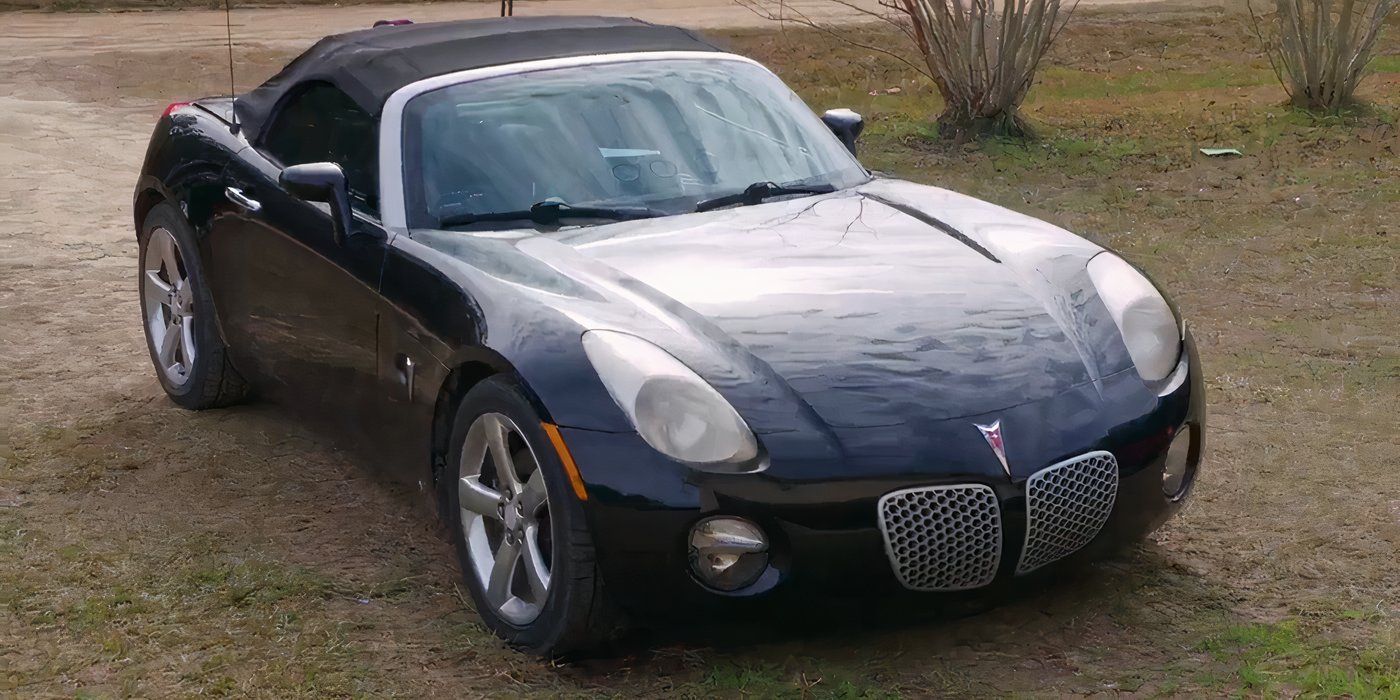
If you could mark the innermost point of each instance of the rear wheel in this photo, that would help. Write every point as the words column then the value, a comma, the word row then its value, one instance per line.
column 178, row 316
column 524, row 548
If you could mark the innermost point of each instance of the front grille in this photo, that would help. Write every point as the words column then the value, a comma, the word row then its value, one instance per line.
column 1066, row 506
column 942, row 538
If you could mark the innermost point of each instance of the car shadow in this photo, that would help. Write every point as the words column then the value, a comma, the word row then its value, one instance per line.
column 1046, row 608
column 331, row 500
column 1040, row 614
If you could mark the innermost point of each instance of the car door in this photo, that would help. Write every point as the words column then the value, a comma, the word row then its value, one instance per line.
column 298, row 308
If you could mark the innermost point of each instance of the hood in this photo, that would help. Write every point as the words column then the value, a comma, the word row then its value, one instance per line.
column 887, row 304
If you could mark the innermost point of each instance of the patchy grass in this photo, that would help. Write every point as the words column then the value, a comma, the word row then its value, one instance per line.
column 158, row 552
column 1386, row 64
column 1279, row 659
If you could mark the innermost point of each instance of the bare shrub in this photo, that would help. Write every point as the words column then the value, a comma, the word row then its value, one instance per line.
column 1320, row 48
column 981, row 54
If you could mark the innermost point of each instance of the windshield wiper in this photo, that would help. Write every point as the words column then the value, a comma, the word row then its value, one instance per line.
column 759, row 191
column 550, row 212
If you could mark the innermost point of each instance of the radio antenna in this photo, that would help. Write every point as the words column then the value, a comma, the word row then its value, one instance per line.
column 232, row 90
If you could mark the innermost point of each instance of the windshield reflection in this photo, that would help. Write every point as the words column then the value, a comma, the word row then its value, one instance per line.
column 663, row 135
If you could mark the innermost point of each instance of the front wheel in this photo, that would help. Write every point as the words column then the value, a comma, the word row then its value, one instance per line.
column 177, row 313
column 524, row 548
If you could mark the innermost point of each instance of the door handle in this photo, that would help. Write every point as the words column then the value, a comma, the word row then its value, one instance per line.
column 236, row 196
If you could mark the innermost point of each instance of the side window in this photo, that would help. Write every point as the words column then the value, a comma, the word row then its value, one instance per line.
column 321, row 123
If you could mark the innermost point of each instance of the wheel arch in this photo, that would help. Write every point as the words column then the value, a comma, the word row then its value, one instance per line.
column 464, row 374
column 454, row 388
column 146, row 199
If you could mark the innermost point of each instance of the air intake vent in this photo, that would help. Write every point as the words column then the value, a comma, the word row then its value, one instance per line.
column 942, row 538
column 1066, row 506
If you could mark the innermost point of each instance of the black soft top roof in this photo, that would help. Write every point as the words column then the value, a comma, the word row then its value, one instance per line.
column 370, row 64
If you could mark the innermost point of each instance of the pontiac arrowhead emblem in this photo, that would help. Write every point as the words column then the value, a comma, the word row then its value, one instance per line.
column 992, row 433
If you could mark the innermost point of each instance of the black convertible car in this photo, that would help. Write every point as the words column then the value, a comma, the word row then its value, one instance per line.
column 649, row 331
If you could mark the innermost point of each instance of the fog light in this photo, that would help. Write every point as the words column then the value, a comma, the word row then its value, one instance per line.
column 727, row 553
column 1178, row 467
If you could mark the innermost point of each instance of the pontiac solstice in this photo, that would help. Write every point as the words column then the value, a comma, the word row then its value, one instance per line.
column 649, row 331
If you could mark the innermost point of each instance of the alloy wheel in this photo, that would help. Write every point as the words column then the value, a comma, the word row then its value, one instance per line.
column 505, row 518
column 169, row 302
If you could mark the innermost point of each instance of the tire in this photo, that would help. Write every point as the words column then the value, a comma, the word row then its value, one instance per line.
column 176, row 306
column 574, row 614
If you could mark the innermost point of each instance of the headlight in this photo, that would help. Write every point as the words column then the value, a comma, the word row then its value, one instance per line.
column 1146, row 322
column 673, row 409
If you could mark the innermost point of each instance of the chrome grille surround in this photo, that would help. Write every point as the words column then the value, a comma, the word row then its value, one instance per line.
column 1066, row 506
column 942, row 538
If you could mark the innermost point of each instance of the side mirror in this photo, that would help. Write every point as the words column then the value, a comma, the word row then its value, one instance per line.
column 321, row 182
column 846, row 124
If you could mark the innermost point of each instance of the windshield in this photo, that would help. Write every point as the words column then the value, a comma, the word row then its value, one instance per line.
column 660, row 135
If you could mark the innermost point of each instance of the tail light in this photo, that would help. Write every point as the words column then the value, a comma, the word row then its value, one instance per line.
column 173, row 106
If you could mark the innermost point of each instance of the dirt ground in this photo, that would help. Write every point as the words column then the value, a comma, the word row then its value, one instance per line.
column 148, row 551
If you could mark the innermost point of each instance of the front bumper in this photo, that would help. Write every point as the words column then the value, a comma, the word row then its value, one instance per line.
column 824, row 530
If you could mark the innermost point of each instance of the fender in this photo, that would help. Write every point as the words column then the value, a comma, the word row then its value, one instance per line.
column 184, row 163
